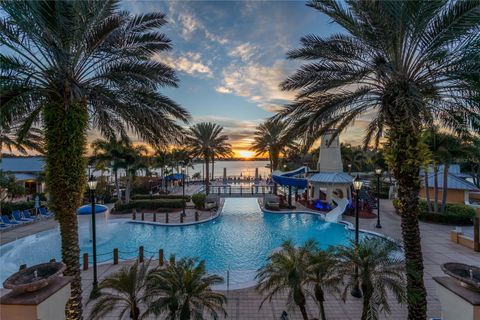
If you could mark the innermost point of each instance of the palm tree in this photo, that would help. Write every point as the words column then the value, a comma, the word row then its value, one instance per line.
column 269, row 138
column 124, row 290
column 71, row 65
column 286, row 271
column 404, row 63
column 222, row 149
column 183, row 291
column 134, row 159
column 110, row 153
column 380, row 269
column 321, row 275
column 203, row 139
column 12, row 138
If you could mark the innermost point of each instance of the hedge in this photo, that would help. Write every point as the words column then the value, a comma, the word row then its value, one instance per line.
column 456, row 214
column 159, row 196
column 8, row 207
column 199, row 200
column 150, row 204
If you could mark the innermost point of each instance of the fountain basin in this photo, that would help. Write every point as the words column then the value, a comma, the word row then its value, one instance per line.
column 467, row 275
column 35, row 277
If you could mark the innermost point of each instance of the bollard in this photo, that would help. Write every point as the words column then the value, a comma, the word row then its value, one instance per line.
column 196, row 215
column 166, row 217
column 143, row 216
column 134, row 214
column 115, row 256
column 85, row 261
column 181, row 218
column 154, row 217
column 140, row 254
column 160, row 257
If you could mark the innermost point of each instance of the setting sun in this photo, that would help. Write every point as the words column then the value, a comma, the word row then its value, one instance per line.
column 245, row 154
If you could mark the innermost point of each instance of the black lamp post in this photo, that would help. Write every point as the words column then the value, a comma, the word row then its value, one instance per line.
column 349, row 168
column 183, row 191
column 151, row 191
column 357, row 185
column 378, row 173
column 92, row 185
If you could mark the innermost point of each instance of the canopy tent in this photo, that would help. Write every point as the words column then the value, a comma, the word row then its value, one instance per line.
column 175, row 176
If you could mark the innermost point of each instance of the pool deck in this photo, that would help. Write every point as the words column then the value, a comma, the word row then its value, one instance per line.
column 244, row 303
column 437, row 249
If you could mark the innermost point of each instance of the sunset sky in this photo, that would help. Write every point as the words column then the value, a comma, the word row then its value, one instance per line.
column 230, row 58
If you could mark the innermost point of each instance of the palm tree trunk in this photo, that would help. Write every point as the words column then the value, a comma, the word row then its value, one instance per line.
column 128, row 178
column 303, row 310
column 117, row 185
column 445, row 187
column 427, row 189
column 319, row 295
column 213, row 168
column 435, row 187
column 404, row 150
column 65, row 137
column 367, row 295
column 207, row 174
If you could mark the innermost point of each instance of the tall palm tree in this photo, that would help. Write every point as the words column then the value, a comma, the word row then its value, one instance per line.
column 12, row 138
column 124, row 289
column 134, row 159
column 286, row 271
column 270, row 138
column 404, row 63
column 203, row 139
column 321, row 275
column 380, row 269
column 223, row 150
column 183, row 291
column 71, row 65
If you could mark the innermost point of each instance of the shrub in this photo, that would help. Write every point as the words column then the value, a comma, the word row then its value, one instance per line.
column 159, row 196
column 150, row 204
column 8, row 207
column 199, row 200
column 457, row 214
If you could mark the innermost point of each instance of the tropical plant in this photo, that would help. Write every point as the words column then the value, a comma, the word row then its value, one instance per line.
column 322, row 275
column 286, row 271
column 124, row 289
column 183, row 291
column 72, row 64
column 221, row 150
column 404, row 63
column 204, row 140
column 12, row 138
column 9, row 188
column 380, row 270
column 471, row 162
column 270, row 138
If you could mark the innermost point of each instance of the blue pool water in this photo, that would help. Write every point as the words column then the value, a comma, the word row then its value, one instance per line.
column 239, row 240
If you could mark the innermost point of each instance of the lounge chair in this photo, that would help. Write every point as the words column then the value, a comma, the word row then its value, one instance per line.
column 17, row 216
column 26, row 215
column 7, row 221
column 45, row 213
column 3, row 225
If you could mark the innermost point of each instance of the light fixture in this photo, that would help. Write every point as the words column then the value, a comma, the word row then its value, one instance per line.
column 357, row 183
column 349, row 165
column 378, row 171
column 92, row 183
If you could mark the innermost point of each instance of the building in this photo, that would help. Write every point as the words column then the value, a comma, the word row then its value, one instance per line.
column 27, row 171
column 460, row 190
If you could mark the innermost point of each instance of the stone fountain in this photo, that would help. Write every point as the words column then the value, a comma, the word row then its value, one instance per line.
column 37, row 292
column 459, row 293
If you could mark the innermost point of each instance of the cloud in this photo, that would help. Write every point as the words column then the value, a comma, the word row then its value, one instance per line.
column 189, row 24
column 258, row 83
column 244, row 51
column 188, row 62
column 215, row 38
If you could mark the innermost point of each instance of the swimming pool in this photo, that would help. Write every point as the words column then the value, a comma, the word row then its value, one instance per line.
column 238, row 241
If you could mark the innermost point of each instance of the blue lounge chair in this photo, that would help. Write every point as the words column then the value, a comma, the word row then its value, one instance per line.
column 8, row 221
column 3, row 225
column 26, row 215
column 17, row 216
column 44, row 212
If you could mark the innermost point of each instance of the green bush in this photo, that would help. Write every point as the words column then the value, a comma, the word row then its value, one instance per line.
column 456, row 214
column 199, row 200
column 384, row 188
column 150, row 204
column 159, row 196
column 8, row 207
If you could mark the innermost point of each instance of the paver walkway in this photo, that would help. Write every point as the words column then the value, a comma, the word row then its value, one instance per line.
column 437, row 249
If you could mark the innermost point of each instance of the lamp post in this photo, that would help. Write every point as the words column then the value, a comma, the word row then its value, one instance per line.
column 151, row 191
column 183, row 191
column 378, row 173
column 349, row 168
column 92, row 185
column 357, row 185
